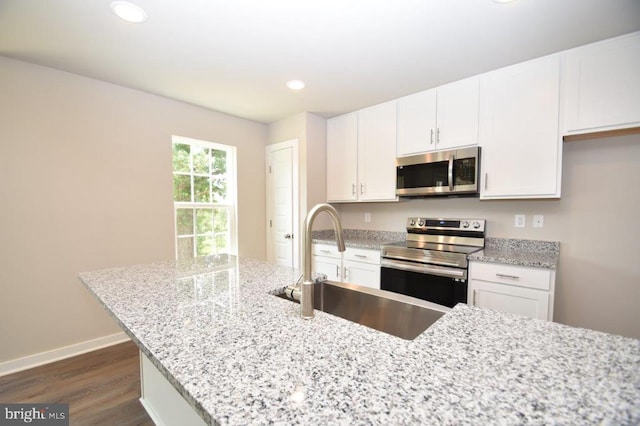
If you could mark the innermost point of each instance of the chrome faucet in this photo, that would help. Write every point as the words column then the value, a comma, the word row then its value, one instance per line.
column 306, row 290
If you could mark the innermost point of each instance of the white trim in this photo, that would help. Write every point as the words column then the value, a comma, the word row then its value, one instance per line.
column 297, row 230
column 36, row 360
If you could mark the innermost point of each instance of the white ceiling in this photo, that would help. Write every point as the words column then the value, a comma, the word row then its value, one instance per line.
column 236, row 55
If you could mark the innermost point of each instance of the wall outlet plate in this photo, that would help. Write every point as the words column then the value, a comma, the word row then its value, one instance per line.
column 519, row 221
column 538, row 221
column 367, row 217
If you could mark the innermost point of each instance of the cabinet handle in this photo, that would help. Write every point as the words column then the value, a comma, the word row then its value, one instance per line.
column 437, row 135
column 473, row 298
column 361, row 256
column 362, row 189
column 431, row 138
column 511, row 277
column 346, row 274
column 353, row 189
column 486, row 178
column 338, row 272
column 325, row 251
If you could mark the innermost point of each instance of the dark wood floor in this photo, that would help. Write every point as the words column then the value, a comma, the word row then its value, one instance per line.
column 101, row 387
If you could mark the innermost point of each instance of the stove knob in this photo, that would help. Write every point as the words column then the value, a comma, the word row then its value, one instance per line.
column 465, row 224
column 421, row 222
column 476, row 225
column 412, row 223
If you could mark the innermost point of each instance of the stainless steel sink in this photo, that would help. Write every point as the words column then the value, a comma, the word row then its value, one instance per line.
column 401, row 316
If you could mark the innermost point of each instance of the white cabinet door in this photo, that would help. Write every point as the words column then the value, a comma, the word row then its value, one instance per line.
column 377, row 153
column 515, row 300
column 331, row 267
column 360, row 273
column 342, row 158
column 441, row 118
column 416, row 123
column 457, row 116
column 602, row 85
column 519, row 135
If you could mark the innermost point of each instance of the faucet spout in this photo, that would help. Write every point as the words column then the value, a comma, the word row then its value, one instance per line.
column 306, row 293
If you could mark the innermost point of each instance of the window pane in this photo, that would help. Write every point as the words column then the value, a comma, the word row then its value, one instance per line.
column 219, row 188
column 201, row 192
column 184, row 221
column 204, row 245
column 200, row 160
column 181, row 157
column 218, row 162
column 221, row 243
column 204, row 221
column 185, row 248
column 181, row 188
column 220, row 220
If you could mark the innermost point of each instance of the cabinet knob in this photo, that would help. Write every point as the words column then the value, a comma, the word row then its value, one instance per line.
column 288, row 236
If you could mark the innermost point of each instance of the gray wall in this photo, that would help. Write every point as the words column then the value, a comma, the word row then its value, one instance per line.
column 86, row 180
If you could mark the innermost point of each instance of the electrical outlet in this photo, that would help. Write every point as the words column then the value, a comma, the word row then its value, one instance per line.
column 519, row 221
column 367, row 217
column 538, row 221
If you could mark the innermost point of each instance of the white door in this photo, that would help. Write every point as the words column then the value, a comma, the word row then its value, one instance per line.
column 282, row 203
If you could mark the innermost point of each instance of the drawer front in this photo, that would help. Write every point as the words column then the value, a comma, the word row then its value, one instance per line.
column 362, row 255
column 326, row 250
column 538, row 278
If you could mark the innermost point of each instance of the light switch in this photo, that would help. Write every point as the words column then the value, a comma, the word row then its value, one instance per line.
column 519, row 221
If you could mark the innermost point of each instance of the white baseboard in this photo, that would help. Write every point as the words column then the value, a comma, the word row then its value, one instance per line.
column 35, row 360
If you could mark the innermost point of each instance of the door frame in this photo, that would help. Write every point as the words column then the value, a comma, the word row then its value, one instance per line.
column 295, row 170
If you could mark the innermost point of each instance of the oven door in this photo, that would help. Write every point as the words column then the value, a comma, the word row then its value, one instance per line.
column 436, row 284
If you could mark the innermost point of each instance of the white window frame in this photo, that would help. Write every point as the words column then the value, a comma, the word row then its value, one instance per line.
column 232, row 192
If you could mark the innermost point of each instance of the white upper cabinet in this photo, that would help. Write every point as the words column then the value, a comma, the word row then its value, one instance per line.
column 601, row 85
column 377, row 153
column 519, row 134
column 417, row 123
column 441, row 118
column 342, row 158
column 361, row 152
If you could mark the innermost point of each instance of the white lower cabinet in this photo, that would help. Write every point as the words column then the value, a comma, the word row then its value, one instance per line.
column 355, row 266
column 515, row 289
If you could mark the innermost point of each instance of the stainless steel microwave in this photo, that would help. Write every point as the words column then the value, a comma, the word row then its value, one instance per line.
column 452, row 172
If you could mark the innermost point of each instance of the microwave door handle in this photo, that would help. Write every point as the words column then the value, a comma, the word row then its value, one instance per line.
column 451, row 159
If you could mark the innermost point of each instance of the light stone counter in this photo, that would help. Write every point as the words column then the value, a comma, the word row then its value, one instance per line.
column 359, row 238
column 532, row 253
column 238, row 354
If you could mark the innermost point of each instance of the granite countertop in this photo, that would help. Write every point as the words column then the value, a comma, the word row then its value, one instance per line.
column 239, row 355
column 359, row 238
column 533, row 253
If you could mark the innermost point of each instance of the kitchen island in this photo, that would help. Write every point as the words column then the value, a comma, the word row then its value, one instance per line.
column 239, row 355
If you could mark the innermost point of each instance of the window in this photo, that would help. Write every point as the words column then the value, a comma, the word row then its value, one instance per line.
column 204, row 197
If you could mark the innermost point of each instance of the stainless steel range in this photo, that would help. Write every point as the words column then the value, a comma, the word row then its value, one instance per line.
column 432, row 263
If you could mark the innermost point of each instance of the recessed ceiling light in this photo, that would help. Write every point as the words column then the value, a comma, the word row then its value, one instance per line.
column 503, row 1
column 129, row 11
column 295, row 84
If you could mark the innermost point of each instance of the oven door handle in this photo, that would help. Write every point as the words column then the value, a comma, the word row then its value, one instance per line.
column 424, row 269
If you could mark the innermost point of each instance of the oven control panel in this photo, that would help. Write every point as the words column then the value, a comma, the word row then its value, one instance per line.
column 417, row 224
